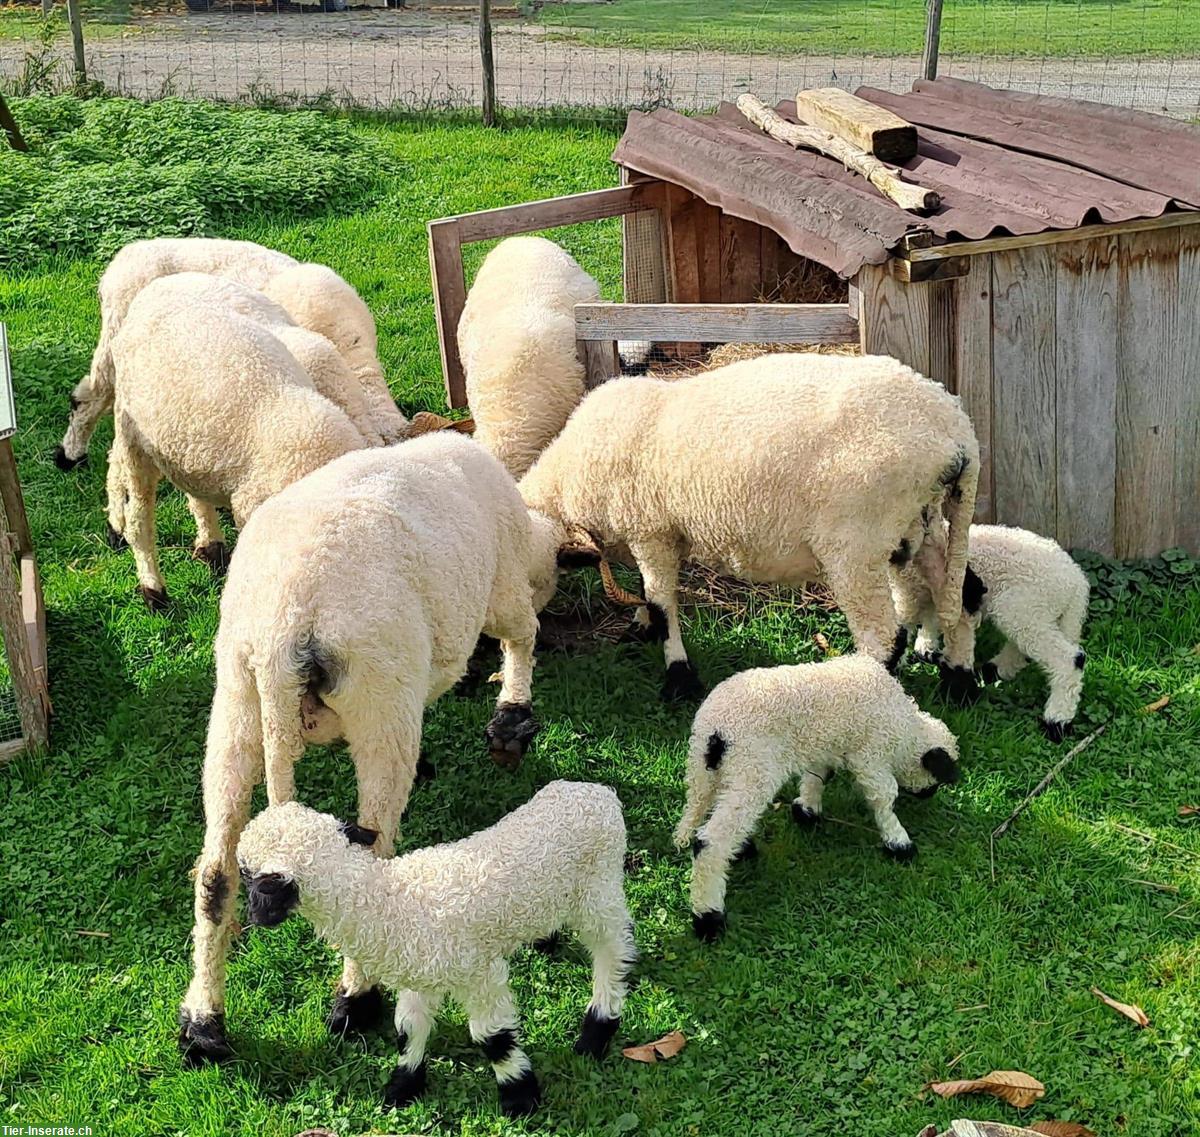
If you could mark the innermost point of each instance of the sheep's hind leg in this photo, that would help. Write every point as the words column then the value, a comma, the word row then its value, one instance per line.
column 494, row 1024
column 863, row 594
column 210, row 544
column 414, row 1021
column 1063, row 663
column 607, row 932
column 658, row 562
column 806, row 808
column 513, row 727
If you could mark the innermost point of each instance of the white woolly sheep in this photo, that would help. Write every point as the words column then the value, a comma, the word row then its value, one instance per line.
column 314, row 297
column 781, row 469
column 209, row 393
column 354, row 599
column 517, row 342
column 443, row 921
column 761, row 727
column 1034, row 593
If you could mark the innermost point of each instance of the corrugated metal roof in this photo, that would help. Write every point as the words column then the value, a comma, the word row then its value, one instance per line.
column 1003, row 162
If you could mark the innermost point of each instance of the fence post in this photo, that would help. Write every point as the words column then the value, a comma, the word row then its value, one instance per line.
column 47, row 7
column 77, row 39
column 489, row 64
column 933, row 37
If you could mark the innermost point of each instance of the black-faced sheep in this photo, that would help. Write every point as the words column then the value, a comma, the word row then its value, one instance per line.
column 1034, row 593
column 780, row 469
column 443, row 921
column 354, row 599
column 761, row 727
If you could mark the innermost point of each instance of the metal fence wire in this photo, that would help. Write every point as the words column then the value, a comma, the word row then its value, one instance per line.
column 588, row 57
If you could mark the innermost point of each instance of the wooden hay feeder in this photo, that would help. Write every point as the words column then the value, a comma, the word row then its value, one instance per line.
column 24, row 692
column 1055, row 289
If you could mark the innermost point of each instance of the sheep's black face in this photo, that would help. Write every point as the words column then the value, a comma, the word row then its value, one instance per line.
column 272, row 897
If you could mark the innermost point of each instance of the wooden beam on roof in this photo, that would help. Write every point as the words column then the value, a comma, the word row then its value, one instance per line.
column 874, row 129
column 717, row 323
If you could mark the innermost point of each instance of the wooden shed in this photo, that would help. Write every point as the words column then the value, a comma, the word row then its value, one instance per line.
column 1056, row 289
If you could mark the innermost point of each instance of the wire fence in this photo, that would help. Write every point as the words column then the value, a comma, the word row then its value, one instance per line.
column 589, row 57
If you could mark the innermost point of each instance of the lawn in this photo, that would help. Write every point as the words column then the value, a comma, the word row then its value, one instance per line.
column 845, row 983
column 1064, row 28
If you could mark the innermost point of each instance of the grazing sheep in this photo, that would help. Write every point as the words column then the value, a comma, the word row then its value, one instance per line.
column 761, row 727
column 1034, row 593
column 444, row 920
column 780, row 469
column 354, row 599
column 517, row 342
column 209, row 393
column 133, row 267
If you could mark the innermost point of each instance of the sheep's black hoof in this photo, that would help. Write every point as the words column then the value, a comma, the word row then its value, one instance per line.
column 216, row 555
column 405, row 1086
column 68, row 464
column 747, row 852
column 682, row 683
column 653, row 632
column 958, row 684
column 548, row 945
column 202, row 1039
column 988, row 673
column 510, row 732
column 115, row 540
column 899, row 852
column 156, row 599
column 355, row 1014
column 425, row 770
column 708, row 926
column 521, row 1096
column 596, row 1033
column 1055, row 731
column 802, row 815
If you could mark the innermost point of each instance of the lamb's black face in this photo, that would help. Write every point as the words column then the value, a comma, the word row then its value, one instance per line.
column 272, row 897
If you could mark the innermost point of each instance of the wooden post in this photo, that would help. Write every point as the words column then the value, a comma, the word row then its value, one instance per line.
column 10, row 127
column 449, row 297
column 933, row 38
column 73, row 16
column 47, row 7
column 27, row 688
column 488, row 62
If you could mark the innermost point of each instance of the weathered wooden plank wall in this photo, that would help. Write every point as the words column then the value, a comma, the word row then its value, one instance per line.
column 971, row 335
column 1185, row 365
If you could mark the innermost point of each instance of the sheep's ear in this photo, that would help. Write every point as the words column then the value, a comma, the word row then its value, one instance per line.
column 939, row 763
column 358, row 834
column 974, row 591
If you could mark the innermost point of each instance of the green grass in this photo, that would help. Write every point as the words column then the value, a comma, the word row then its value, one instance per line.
column 888, row 27
column 845, row 983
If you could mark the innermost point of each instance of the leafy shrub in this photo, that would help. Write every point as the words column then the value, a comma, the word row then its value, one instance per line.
column 1115, row 582
column 104, row 172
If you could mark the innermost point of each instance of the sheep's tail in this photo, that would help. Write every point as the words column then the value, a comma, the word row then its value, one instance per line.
column 961, row 481
column 705, row 754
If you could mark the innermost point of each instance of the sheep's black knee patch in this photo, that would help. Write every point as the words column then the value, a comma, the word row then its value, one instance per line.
column 939, row 763
column 202, row 1038
column 802, row 815
column 897, row 653
column 497, row 1047
column 510, row 732
column 355, row 1014
column 596, row 1033
column 67, row 464
column 715, row 751
column 1080, row 660
column 521, row 1096
column 1055, row 731
column 958, row 684
column 708, row 926
column 405, row 1086
column 747, row 851
column 215, row 885
column 699, row 844
column 973, row 591
column 902, row 554
column 682, row 683
column 899, row 852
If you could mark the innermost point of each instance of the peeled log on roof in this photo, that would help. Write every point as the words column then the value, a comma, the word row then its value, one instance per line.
column 872, row 129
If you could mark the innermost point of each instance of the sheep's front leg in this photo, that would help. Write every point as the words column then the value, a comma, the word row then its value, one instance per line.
column 1006, row 664
column 513, row 726
column 229, row 780
column 606, row 930
column 210, row 544
column 806, row 809
column 414, row 1021
column 880, row 789
column 658, row 561
column 494, row 1024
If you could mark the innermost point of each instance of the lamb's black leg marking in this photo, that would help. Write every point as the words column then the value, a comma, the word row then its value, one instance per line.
column 548, row 945
column 216, row 892
column 747, row 851
column 989, row 672
column 958, row 684
column 596, row 1033
column 67, row 464
column 682, row 682
column 510, row 732
column 708, row 926
column 405, row 1085
column 521, row 1096
column 899, row 644
column 653, row 633
column 203, row 1039
column 1055, row 731
column 355, row 1014
column 802, row 815
column 899, row 852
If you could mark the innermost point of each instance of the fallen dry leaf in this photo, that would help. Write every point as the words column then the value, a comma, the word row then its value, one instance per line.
column 1061, row 1129
column 666, row 1047
column 1157, row 705
column 1011, row 1086
column 1188, row 810
column 1134, row 1014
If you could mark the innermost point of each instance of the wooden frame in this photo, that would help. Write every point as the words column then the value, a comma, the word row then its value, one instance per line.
column 717, row 323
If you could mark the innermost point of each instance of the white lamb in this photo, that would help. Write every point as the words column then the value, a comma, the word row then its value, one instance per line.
column 1034, row 593
column 761, row 727
column 213, row 390
column 517, row 342
column 781, row 469
column 443, row 921
column 314, row 296
column 354, row 600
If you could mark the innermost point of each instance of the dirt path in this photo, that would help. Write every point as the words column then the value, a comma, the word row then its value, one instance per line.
column 410, row 59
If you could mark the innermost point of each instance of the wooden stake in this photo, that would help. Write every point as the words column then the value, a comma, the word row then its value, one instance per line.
column 488, row 62
column 76, row 22
column 933, row 38
column 916, row 199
